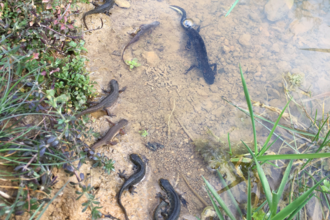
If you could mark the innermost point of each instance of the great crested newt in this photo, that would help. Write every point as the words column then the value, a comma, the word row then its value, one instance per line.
column 107, row 102
column 99, row 9
column 132, row 180
column 173, row 212
column 198, row 43
column 113, row 131
column 142, row 30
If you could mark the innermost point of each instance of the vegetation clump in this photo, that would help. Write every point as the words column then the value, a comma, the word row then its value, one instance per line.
column 133, row 63
column 43, row 80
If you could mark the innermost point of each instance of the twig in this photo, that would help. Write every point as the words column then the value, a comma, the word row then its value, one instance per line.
column 64, row 12
column 73, row 37
column 196, row 194
column 95, row 28
column 189, row 135
column 28, row 198
column 169, row 119
column 16, row 187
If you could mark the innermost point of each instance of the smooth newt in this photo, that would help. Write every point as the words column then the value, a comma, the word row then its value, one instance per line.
column 107, row 102
column 113, row 131
column 142, row 30
column 99, row 9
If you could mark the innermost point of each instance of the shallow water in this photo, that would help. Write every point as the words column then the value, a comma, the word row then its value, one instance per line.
column 265, row 49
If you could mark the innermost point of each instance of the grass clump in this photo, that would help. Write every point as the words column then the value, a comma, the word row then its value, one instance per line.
column 307, row 183
column 50, row 41
column 42, row 81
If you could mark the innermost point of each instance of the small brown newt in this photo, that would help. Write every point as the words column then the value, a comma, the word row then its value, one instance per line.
column 107, row 102
column 142, row 30
column 113, row 131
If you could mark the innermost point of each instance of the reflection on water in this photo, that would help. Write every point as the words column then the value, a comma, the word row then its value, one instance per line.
column 265, row 37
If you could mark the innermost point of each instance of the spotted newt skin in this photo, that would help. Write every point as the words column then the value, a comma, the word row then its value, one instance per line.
column 107, row 102
column 198, row 43
column 142, row 30
column 113, row 131
column 99, row 9
column 132, row 180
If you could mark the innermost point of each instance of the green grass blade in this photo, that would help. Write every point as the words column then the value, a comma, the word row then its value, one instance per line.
column 260, row 207
column 264, row 148
column 233, row 200
column 263, row 178
column 249, row 207
column 277, row 196
column 58, row 193
column 14, row 204
column 325, row 141
column 316, row 138
column 292, row 156
column 272, row 164
column 248, row 101
column 219, row 200
column 293, row 214
column 216, row 208
column 315, row 117
column 232, row 7
column 37, row 210
column 264, row 119
column 230, row 152
column 296, row 203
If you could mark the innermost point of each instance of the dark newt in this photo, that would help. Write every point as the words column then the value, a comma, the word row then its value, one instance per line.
column 173, row 198
column 159, row 208
column 132, row 180
column 107, row 102
column 113, row 131
column 198, row 43
column 99, row 9
column 143, row 29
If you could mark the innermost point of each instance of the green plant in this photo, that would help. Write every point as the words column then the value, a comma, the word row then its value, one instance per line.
column 133, row 63
column 49, row 40
column 144, row 133
column 91, row 202
column 326, row 186
column 100, row 160
column 272, row 197
column 42, row 74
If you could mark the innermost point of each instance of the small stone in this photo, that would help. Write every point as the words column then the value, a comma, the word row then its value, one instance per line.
column 123, row 3
column 225, row 49
column 301, row 26
column 151, row 57
column 276, row 9
column 244, row 40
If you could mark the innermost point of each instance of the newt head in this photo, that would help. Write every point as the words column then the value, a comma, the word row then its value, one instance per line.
column 136, row 158
column 209, row 76
column 164, row 183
